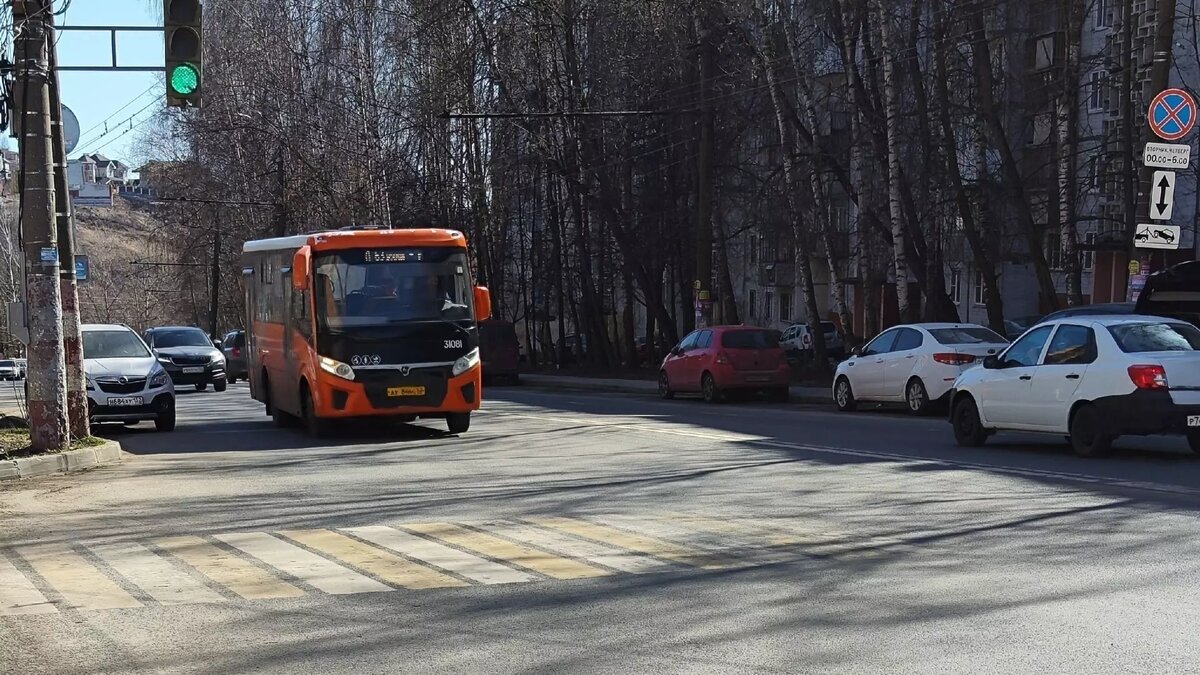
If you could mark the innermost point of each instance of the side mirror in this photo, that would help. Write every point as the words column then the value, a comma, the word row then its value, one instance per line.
column 483, row 303
column 992, row 362
column 218, row 344
column 300, row 265
column 857, row 350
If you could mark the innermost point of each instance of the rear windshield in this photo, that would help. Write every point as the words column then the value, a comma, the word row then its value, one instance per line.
column 1135, row 338
column 498, row 333
column 750, row 339
column 970, row 335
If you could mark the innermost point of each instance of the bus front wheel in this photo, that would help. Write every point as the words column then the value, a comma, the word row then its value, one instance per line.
column 458, row 423
column 317, row 427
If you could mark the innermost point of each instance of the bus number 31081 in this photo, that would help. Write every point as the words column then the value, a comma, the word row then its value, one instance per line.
column 453, row 344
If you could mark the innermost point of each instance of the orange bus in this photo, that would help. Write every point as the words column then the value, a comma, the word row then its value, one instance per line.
column 364, row 323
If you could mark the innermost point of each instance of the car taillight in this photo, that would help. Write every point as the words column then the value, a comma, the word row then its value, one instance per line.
column 722, row 358
column 237, row 352
column 954, row 359
column 807, row 340
column 1148, row 377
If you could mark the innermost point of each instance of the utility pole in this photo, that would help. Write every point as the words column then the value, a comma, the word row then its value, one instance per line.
column 77, row 401
column 704, row 175
column 1160, row 79
column 46, row 380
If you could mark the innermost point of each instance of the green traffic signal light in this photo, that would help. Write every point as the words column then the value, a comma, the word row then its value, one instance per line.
column 185, row 79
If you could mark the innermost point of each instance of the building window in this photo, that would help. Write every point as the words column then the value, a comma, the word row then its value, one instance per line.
column 768, row 300
column 1054, row 251
column 1043, row 123
column 839, row 120
column 1105, row 11
column 1098, row 100
column 839, row 217
column 785, row 306
column 980, row 295
column 1044, row 52
column 753, row 303
column 753, row 250
column 1088, row 257
column 955, row 285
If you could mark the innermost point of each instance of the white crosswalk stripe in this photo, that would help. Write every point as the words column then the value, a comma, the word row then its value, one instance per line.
column 439, row 555
column 18, row 595
column 154, row 575
column 575, row 547
column 310, row 568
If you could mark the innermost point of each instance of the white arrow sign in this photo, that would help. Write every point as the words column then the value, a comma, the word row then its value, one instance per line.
column 1154, row 235
column 1162, row 195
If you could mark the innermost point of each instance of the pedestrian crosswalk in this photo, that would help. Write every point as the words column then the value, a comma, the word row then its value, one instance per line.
column 272, row 565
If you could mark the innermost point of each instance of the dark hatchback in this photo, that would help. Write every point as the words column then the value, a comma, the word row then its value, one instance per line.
column 499, row 350
column 188, row 356
column 233, row 345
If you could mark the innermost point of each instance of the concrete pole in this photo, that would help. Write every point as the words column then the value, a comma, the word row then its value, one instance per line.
column 46, row 381
column 77, row 401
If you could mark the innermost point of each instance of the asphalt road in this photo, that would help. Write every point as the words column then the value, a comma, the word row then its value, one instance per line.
column 571, row 532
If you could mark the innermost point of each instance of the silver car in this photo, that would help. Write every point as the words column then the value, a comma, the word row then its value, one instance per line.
column 125, row 382
column 10, row 369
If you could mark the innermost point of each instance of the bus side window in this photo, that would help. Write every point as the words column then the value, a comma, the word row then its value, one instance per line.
column 300, row 314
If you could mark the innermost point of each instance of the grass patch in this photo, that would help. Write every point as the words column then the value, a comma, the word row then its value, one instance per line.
column 15, row 443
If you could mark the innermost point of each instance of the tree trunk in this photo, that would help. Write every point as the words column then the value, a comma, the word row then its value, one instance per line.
column 1067, row 115
column 891, row 97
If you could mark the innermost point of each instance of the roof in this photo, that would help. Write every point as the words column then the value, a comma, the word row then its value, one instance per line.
column 1115, row 319
column 103, row 326
column 343, row 239
column 943, row 326
column 148, row 330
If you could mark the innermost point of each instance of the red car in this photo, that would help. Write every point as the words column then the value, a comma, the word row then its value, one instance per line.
column 712, row 361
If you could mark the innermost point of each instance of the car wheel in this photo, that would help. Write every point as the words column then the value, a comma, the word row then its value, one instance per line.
column 202, row 386
column 968, row 428
column 165, row 421
column 708, row 387
column 843, row 395
column 1194, row 442
column 916, row 397
column 458, row 423
column 279, row 417
column 317, row 427
column 220, row 385
column 1088, row 438
column 664, row 386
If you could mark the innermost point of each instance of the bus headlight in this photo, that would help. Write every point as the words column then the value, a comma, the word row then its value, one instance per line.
column 466, row 363
column 337, row 368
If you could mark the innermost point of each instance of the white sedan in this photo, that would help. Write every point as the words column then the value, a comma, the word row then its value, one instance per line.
column 915, row 364
column 1092, row 378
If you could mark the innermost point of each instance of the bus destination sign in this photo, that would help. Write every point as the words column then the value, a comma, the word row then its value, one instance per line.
column 392, row 256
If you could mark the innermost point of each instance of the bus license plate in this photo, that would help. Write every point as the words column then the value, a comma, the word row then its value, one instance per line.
column 124, row 400
column 406, row 391
column 1194, row 420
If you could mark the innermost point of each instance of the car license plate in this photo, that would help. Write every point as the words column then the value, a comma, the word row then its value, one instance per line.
column 1194, row 420
column 406, row 391
column 757, row 378
column 125, row 400
column 193, row 371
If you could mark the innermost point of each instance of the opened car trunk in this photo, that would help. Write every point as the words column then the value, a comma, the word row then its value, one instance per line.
column 752, row 349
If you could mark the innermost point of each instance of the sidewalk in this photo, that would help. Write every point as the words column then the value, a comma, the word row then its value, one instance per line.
column 648, row 387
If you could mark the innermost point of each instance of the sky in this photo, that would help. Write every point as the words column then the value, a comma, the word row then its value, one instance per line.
column 107, row 103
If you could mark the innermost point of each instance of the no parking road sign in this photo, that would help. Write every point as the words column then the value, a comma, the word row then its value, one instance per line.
column 1172, row 114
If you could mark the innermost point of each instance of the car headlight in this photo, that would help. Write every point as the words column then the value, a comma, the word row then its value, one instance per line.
column 466, row 363
column 164, row 359
column 159, row 378
column 216, row 358
column 337, row 368
column 90, row 386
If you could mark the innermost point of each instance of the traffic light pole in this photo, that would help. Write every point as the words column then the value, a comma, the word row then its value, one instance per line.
column 77, row 401
column 46, row 379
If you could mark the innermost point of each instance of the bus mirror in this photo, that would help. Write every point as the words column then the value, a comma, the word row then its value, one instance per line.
column 483, row 303
column 300, row 268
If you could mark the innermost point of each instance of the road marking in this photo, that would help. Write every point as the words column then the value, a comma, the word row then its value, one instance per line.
column 155, row 575
column 228, row 570
column 18, row 595
column 308, row 567
column 77, row 580
column 517, row 554
column 575, row 547
column 391, row 568
column 657, row 548
column 439, row 555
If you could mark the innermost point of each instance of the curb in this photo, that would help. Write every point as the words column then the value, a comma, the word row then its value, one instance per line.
column 547, row 382
column 65, row 462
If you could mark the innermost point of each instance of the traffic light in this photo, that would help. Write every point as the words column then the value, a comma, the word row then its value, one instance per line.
column 182, row 33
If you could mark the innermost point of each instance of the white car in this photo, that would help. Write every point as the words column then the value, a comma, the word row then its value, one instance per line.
column 125, row 382
column 914, row 364
column 1092, row 378
column 10, row 369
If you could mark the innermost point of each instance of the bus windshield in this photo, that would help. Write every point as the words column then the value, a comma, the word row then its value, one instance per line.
column 376, row 287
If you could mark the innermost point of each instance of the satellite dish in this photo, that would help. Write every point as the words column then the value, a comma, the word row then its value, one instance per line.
column 70, row 129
